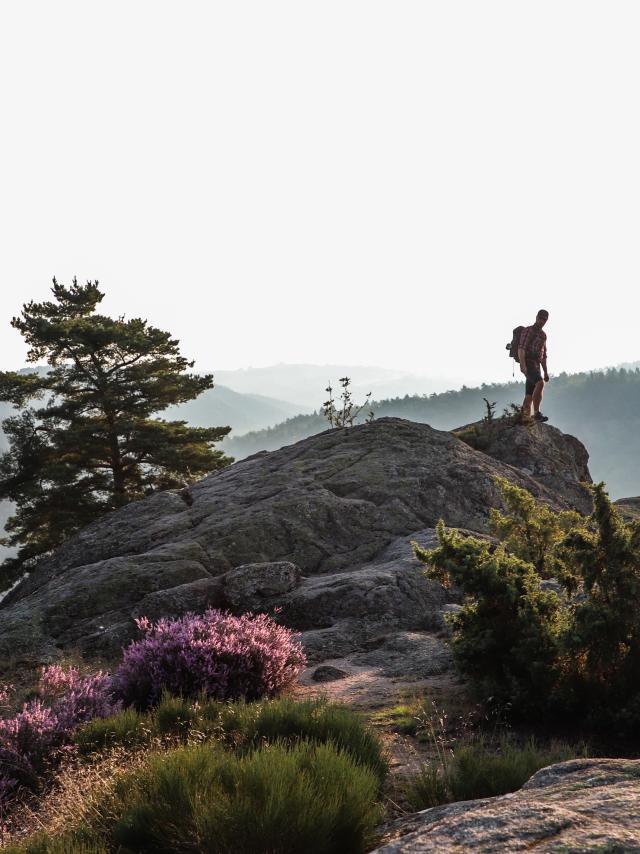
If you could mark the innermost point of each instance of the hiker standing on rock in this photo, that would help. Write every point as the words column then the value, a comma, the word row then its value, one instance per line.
column 532, row 355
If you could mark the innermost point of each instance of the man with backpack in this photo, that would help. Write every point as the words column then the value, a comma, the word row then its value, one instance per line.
column 532, row 356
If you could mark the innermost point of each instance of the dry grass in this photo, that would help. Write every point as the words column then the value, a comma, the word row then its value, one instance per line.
column 72, row 799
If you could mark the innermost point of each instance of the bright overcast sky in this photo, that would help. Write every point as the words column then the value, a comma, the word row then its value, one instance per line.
column 392, row 183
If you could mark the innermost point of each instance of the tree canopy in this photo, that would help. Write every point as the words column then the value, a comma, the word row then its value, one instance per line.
column 85, row 439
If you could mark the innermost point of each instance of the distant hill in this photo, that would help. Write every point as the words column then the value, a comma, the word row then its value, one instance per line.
column 242, row 412
column 307, row 383
column 601, row 408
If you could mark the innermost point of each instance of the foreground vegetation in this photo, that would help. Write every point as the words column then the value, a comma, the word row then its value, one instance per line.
column 571, row 653
column 183, row 749
column 278, row 776
column 213, row 655
column 478, row 768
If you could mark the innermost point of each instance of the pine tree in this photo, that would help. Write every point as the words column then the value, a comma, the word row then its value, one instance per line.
column 93, row 442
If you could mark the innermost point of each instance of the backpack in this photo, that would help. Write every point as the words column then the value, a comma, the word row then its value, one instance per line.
column 512, row 346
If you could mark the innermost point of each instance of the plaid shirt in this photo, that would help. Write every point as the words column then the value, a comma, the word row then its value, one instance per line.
column 534, row 343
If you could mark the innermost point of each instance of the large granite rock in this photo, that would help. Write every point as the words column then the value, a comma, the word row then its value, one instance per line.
column 554, row 459
column 336, row 505
column 587, row 805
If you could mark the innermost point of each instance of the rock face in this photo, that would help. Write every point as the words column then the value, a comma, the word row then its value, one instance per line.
column 629, row 507
column 342, row 506
column 579, row 806
column 557, row 461
column 255, row 585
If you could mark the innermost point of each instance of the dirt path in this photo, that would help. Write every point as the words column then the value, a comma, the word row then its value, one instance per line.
column 401, row 673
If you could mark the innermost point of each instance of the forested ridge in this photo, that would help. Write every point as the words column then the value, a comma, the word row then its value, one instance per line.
column 601, row 408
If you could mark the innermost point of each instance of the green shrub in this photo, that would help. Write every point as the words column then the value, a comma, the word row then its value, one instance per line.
column 128, row 728
column 531, row 531
column 430, row 787
column 174, row 716
column 480, row 772
column 601, row 652
column 505, row 638
column 306, row 797
column 322, row 722
column 530, row 649
column 477, row 770
column 246, row 726
column 243, row 726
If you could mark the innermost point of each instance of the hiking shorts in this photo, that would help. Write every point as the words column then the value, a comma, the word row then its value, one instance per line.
column 533, row 375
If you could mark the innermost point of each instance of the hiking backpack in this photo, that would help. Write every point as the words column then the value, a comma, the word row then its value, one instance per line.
column 512, row 346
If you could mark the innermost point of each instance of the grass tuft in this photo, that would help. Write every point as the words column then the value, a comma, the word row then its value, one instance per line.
column 478, row 770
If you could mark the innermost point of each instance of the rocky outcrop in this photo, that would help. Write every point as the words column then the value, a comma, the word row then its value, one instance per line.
column 342, row 506
column 579, row 806
column 556, row 460
column 629, row 508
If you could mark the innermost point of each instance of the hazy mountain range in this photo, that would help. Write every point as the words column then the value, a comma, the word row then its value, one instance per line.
column 241, row 411
column 306, row 384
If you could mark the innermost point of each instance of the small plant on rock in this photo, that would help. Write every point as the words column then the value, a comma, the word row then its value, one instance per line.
column 345, row 413
column 490, row 413
column 514, row 414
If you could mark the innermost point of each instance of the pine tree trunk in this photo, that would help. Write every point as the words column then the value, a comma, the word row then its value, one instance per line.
column 117, row 468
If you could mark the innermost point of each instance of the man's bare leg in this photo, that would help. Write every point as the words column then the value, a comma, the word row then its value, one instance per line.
column 526, row 406
column 537, row 396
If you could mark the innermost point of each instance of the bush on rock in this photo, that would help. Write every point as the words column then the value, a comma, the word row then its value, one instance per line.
column 215, row 654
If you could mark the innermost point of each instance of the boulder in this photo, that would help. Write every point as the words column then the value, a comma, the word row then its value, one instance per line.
column 390, row 592
column 253, row 586
column 579, row 806
column 554, row 459
column 328, row 673
column 336, row 505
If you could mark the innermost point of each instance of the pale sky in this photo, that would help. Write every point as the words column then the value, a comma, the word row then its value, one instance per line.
column 391, row 183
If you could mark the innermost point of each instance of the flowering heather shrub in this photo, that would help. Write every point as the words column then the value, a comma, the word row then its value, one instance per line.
column 76, row 699
column 215, row 654
column 36, row 736
column 32, row 733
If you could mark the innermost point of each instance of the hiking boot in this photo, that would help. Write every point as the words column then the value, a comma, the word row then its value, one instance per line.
column 540, row 417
